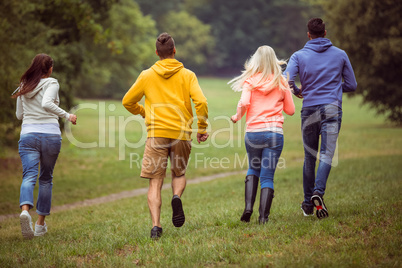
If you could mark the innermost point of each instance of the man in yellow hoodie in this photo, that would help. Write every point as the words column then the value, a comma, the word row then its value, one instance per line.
column 168, row 88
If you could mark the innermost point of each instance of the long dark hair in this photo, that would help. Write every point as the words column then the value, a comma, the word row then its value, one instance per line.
column 40, row 67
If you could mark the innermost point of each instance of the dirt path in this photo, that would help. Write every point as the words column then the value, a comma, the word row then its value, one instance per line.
column 125, row 194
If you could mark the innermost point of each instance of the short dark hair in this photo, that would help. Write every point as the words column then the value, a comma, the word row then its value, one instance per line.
column 165, row 45
column 316, row 27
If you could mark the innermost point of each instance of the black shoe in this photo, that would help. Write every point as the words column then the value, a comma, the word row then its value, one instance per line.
column 178, row 217
column 318, row 202
column 156, row 232
column 308, row 210
column 251, row 185
column 266, row 196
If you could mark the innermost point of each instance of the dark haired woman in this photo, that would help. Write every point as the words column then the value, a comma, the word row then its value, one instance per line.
column 40, row 140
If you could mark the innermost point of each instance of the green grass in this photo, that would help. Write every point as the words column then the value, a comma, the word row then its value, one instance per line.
column 363, row 198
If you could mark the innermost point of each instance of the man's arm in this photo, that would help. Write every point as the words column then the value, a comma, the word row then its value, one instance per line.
column 133, row 96
column 291, row 72
column 349, row 84
column 200, row 105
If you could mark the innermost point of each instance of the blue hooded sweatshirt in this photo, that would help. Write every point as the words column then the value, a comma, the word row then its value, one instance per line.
column 321, row 67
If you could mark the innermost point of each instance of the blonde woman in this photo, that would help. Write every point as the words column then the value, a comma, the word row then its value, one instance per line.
column 265, row 94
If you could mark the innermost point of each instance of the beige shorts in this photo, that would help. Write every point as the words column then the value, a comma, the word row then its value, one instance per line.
column 156, row 154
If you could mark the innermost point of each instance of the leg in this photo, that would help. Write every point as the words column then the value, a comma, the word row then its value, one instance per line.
column 30, row 158
column 50, row 149
column 154, row 168
column 310, row 133
column 253, row 142
column 178, row 185
column 41, row 220
column 251, row 185
column 179, row 156
column 270, row 157
column 330, row 126
column 267, row 194
column 155, row 200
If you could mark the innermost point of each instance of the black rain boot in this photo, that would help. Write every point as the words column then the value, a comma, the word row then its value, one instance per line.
column 251, row 185
column 267, row 194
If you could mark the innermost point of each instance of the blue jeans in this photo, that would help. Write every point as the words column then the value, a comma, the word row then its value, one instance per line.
column 263, row 150
column 35, row 149
column 324, row 120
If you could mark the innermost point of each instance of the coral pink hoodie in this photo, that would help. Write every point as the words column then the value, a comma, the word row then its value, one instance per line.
column 263, row 110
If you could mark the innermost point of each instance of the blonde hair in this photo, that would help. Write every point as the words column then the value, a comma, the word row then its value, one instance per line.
column 263, row 61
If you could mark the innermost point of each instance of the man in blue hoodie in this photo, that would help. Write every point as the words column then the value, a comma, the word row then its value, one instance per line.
column 321, row 68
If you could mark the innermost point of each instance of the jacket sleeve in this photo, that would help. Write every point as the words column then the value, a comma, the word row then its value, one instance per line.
column 20, row 110
column 291, row 71
column 349, row 84
column 200, row 104
column 133, row 96
column 244, row 101
column 48, row 101
column 288, row 104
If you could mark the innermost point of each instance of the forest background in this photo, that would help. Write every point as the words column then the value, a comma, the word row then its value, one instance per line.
column 100, row 46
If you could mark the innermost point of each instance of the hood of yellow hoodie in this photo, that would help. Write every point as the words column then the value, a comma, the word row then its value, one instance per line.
column 167, row 67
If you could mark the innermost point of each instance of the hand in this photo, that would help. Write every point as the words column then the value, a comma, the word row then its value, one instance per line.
column 202, row 137
column 300, row 96
column 73, row 119
column 233, row 118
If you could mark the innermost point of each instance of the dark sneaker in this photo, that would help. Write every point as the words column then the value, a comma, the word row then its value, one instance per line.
column 178, row 217
column 308, row 210
column 318, row 202
column 156, row 232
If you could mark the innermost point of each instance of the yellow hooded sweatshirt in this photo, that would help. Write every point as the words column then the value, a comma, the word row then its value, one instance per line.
column 168, row 88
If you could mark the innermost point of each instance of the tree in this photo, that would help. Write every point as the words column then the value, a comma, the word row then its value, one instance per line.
column 371, row 33
column 69, row 30
column 193, row 40
column 111, row 65
column 19, row 41
column 240, row 27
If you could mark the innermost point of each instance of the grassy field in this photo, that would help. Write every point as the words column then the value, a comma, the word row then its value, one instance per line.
column 363, row 198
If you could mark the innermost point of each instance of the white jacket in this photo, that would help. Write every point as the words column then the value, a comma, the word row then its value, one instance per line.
column 41, row 105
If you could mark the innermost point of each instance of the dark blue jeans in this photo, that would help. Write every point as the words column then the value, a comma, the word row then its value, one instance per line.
column 35, row 149
column 325, row 121
column 263, row 150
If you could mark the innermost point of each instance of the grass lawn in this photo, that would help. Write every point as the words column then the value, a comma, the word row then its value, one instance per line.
column 363, row 198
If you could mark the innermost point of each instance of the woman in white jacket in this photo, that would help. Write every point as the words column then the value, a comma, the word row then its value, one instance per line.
column 40, row 140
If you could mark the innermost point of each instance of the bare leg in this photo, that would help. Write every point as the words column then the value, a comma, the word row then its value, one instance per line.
column 25, row 207
column 178, row 185
column 155, row 200
column 41, row 220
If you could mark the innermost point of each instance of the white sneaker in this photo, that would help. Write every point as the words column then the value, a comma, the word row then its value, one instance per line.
column 40, row 230
column 26, row 225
